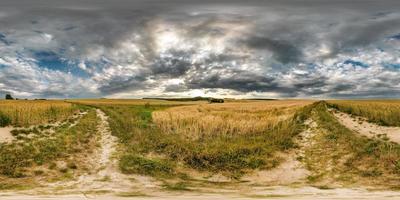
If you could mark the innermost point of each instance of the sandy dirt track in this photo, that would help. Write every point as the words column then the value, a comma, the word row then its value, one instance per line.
column 5, row 134
column 368, row 129
column 303, row 193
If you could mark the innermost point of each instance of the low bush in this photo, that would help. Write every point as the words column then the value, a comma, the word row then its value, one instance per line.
column 4, row 120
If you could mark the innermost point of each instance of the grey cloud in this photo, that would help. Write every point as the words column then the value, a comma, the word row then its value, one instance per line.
column 120, row 36
column 175, row 64
column 240, row 80
column 284, row 51
column 123, row 84
column 175, row 88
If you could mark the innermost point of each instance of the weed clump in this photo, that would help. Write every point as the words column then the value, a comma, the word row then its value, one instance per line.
column 4, row 120
column 140, row 165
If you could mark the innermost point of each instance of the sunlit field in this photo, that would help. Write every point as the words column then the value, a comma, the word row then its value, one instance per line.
column 225, row 119
column 34, row 112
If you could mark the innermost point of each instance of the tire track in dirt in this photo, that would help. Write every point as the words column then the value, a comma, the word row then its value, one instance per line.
column 363, row 127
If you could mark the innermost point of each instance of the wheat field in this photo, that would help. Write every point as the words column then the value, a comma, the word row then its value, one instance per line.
column 34, row 112
column 225, row 119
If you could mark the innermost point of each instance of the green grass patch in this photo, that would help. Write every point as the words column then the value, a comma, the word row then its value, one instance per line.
column 140, row 165
column 4, row 120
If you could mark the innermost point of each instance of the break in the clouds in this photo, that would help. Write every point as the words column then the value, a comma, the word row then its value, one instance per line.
column 131, row 48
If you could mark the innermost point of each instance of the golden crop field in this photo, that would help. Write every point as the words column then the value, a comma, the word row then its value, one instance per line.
column 33, row 112
column 100, row 102
column 384, row 112
column 229, row 118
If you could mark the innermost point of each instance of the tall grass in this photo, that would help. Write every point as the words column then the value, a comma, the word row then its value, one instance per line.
column 16, row 157
column 231, row 154
column 383, row 112
column 29, row 112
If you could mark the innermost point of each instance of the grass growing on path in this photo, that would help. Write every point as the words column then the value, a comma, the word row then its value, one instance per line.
column 342, row 155
column 16, row 157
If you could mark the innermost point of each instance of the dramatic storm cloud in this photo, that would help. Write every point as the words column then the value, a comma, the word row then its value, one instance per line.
column 131, row 48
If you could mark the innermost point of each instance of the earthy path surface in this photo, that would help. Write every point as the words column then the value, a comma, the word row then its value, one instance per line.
column 368, row 129
column 303, row 193
column 292, row 170
column 5, row 134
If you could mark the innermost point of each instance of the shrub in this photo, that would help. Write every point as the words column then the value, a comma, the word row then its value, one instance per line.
column 137, row 164
column 4, row 120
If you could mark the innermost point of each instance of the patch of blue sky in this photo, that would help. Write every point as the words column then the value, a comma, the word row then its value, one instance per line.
column 396, row 37
column 392, row 66
column 52, row 61
column 356, row 63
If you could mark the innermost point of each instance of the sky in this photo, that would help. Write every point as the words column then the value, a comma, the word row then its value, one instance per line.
column 183, row 48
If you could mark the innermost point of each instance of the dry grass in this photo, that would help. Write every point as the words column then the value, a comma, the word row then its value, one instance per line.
column 34, row 112
column 383, row 112
column 225, row 119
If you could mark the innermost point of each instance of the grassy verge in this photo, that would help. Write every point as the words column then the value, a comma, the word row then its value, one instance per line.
column 231, row 155
column 17, row 157
column 345, row 156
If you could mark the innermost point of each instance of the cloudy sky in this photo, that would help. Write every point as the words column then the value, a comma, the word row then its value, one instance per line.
column 244, row 49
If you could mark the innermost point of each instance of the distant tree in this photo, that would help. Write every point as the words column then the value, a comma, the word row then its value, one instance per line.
column 214, row 100
column 9, row 97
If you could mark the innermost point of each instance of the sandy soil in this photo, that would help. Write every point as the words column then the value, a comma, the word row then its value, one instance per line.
column 5, row 134
column 302, row 193
column 368, row 129
column 292, row 170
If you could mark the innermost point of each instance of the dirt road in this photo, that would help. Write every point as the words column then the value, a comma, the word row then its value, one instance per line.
column 5, row 134
column 368, row 129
